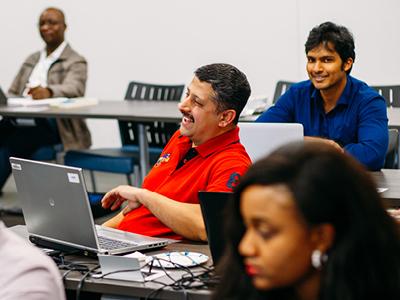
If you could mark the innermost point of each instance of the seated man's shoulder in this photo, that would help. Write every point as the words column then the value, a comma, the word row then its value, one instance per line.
column 364, row 92
column 18, row 250
column 32, row 59
column 234, row 155
column 27, row 267
column 72, row 55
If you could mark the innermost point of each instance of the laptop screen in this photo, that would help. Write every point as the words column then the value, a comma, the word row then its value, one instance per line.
column 212, row 208
column 54, row 202
column 260, row 139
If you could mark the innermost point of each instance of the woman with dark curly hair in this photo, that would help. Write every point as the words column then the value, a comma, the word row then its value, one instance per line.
column 308, row 223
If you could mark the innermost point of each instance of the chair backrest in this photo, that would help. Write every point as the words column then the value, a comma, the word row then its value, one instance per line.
column 158, row 133
column 392, row 153
column 281, row 88
column 391, row 93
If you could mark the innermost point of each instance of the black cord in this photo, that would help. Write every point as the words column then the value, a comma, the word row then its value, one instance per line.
column 189, row 280
column 82, row 280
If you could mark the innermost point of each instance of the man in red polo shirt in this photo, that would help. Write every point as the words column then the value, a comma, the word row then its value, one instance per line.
column 205, row 154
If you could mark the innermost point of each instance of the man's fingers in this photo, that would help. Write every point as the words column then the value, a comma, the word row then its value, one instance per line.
column 126, row 210
column 105, row 202
column 113, row 199
column 117, row 203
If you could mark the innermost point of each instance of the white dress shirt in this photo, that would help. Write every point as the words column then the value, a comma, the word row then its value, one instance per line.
column 39, row 74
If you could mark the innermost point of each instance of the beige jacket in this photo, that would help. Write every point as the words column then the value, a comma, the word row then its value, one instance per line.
column 66, row 78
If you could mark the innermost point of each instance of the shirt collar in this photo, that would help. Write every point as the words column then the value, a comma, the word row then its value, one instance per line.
column 55, row 54
column 216, row 143
column 344, row 98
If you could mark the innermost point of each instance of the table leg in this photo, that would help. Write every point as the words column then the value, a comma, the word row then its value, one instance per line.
column 144, row 152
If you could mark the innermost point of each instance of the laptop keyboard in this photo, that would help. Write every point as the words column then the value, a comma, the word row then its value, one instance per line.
column 110, row 244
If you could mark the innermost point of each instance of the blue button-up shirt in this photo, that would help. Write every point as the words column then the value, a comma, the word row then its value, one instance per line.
column 358, row 122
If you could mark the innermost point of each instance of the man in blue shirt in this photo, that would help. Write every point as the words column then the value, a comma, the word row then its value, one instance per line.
column 333, row 106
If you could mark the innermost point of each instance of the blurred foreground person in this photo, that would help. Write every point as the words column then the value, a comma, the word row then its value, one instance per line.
column 308, row 223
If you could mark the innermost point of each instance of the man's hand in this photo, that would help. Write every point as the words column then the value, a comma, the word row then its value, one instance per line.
column 40, row 93
column 326, row 141
column 122, row 193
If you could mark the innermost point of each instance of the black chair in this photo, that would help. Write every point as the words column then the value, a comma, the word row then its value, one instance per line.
column 392, row 153
column 281, row 88
column 125, row 160
column 51, row 152
column 391, row 93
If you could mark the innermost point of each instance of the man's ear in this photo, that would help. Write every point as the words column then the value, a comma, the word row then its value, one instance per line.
column 227, row 117
column 323, row 236
column 348, row 64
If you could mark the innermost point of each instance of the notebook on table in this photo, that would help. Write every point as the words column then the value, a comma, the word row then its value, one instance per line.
column 212, row 208
column 260, row 139
column 56, row 209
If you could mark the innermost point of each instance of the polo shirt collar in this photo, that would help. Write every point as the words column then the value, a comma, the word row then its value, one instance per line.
column 215, row 144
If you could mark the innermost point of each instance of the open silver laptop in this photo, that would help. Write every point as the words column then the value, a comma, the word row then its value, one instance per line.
column 56, row 209
column 260, row 139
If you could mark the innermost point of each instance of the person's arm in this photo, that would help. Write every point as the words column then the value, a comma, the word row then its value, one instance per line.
column 184, row 219
column 39, row 92
column 281, row 112
column 74, row 83
column 20, row 80
column 325, row 141
column 14, row 88
column 114, row 221
column 372, row 132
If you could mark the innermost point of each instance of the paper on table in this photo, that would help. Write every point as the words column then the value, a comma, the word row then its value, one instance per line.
column 75, row 102
column 30, row 102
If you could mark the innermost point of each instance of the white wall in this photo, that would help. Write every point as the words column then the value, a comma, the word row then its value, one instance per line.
column 164, row 41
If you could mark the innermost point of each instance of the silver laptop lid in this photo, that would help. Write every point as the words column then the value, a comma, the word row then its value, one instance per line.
column 55, row 203
column 260, row 139
column 56, row 208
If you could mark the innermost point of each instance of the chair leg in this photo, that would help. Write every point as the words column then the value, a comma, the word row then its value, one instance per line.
column 93, row 180
column 129, row 179
column 60, row 158
column 136, row 172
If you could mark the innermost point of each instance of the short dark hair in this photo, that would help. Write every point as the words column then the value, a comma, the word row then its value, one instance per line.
column 327, row 187
column 57, row 10
column 232, row 90
column 339, row 36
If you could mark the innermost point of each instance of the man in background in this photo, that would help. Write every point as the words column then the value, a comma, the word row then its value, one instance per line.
column 55, row 71
column 333, row 106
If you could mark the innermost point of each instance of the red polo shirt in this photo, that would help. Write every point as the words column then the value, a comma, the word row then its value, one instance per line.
column 217, row 167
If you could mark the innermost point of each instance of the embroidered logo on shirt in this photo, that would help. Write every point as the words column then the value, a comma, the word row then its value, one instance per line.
column 233, row 180
column 163, row 159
